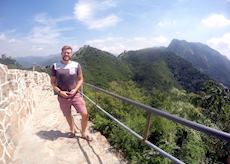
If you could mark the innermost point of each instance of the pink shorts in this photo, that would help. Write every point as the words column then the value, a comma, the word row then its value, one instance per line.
column 77, row 101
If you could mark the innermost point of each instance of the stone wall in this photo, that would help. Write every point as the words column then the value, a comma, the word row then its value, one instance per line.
column 17, row 91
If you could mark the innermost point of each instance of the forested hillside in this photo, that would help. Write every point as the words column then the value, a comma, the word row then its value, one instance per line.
column 160, row 68
column 203, row 58
column 158, row 78
column 210, row 108
column 101, row 67
column 10, row 62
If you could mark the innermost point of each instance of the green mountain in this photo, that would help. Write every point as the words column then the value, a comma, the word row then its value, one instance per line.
column 101, row 67
column 203, row 58
column 160, row 68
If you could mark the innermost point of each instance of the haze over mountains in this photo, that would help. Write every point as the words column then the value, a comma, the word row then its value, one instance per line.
column 29, row 61
column 182, row 64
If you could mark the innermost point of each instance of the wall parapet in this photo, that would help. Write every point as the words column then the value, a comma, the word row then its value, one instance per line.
column 17, row 91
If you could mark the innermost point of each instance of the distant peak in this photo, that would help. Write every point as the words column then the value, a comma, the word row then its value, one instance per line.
column 88, row 48
column 178, row 41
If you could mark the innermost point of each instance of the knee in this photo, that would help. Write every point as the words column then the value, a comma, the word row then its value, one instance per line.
column 85, row 114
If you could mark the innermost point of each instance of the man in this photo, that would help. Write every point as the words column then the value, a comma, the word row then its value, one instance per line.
column 66, row 80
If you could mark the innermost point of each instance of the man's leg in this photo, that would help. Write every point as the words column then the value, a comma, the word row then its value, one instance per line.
column 80, row 106
column 84, row 126
column 65, row 106
column 69, row 119
column 84, row 122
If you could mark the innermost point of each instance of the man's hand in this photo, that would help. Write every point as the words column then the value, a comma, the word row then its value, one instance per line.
column 64, row 94
column 72, row 92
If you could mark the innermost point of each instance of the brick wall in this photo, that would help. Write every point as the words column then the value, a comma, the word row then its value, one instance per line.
column 17, row 91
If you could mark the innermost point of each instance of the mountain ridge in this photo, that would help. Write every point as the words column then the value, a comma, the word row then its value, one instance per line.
column 163, row 69
column 203, row 58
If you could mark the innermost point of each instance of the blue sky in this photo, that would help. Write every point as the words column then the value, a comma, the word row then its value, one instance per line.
column 42, row 27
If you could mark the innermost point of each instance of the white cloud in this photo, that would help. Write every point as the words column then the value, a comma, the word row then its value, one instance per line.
column 105, row 22
column 222, row 44
column 24, row 46
column 44, row 20
column 43, row 39
column 216, row 20
column 89, row 12
column 117, row 45
column 83, row 11
column 43, row 35
column 2, row 36
column 12, row 40
column 161, row 40
column 46, row 31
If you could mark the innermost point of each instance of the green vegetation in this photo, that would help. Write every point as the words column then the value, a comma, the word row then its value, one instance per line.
column 186, row 144
column 156, row 77
column 10, row 62
column 162, row 69
column 149, row 68
column 101, row 67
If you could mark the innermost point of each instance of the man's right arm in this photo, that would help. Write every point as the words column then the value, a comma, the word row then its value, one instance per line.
column 53, row 80
column 56, row 88
column 54, row 84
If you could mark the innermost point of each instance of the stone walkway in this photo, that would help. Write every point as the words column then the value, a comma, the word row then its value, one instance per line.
column 44, row 140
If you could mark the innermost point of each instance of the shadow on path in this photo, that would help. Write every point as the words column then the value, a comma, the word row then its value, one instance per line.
column 83, row 151
column 55, row 134
column 98, row 157
column 52, row 134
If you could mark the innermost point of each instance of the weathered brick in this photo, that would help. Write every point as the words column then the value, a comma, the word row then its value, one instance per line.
column 1, row 150
column 3, row 75
column 13, row 86
column 7, row 159
column 14, row 127
column 2, row 115
column 10, row 150
column 1, row 127
column 4, row 105
column 5, row 90
column 2, row 137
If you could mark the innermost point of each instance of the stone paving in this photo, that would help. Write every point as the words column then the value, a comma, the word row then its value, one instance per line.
column 44, row 139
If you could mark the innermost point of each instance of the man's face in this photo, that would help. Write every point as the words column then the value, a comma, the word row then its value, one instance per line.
column 66, row 54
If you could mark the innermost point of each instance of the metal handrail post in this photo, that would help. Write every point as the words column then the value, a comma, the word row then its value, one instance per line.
column 162, row 152
column 148, row 124
column 95, row 95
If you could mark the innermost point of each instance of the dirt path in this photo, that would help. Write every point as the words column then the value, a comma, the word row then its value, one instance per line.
column 44, row 139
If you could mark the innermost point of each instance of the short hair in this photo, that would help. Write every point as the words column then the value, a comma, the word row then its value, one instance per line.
column 66, row 47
